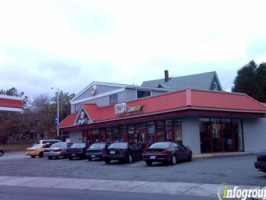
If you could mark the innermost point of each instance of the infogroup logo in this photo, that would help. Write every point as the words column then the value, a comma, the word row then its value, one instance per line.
column 237, row 193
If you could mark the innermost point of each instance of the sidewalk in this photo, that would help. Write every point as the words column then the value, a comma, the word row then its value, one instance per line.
column 173, row 188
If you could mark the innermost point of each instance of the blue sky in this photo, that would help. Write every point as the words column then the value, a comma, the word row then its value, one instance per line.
column 70, row 43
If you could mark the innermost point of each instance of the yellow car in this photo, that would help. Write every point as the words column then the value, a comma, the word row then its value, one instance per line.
column 36, row 150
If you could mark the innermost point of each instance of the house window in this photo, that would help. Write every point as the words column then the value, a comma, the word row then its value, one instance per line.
column 77, row 107
column 141, row 94
column 114, row 99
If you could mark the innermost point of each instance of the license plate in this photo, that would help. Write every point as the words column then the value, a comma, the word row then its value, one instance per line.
column 152, row 157
column 93, row 156
column 112, row 152
column 73, row 154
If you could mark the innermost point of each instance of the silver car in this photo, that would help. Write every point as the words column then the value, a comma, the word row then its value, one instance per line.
column 57, row 150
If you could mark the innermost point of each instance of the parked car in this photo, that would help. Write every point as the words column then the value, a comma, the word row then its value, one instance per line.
column 1, row 152
column 260, row 164
column 77, row 150
column 37, row 150
column 57, row 150
column 167, row 152
column 96, row 150
column 122, row 151
column 50, row 141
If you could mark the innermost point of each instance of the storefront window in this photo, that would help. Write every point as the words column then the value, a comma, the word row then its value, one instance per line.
column 150, row 135
column 131, row 133
column 123, row 133
column 178, row 130
column 116, row 135
column 109, row 135
column 102, row 136
column 205, row 136
column 216, row 135
column 227, row 135
column 221, row 135
column 140, row 134
column 160, row 131
column 169, row 130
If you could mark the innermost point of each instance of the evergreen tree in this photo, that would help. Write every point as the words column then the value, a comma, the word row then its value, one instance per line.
column 251, row 80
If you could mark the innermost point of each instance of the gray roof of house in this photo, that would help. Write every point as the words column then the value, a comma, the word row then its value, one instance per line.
column 197, row 81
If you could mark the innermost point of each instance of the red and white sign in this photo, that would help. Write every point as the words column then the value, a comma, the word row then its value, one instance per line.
column 120, row 108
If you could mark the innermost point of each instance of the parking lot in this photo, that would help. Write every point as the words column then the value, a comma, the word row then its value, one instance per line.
column 237, row 170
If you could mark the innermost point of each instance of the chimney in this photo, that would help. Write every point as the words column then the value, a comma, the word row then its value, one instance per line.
column 166, row 75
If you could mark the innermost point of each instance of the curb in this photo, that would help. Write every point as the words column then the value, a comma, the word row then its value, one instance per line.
column 231, row 154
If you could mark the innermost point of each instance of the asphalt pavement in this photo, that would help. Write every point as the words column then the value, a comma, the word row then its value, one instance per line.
column 183, row 180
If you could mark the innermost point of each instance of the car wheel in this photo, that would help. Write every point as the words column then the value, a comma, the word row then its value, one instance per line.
column 50, row 157
column 189, row 158
column 32, row 156
column 41, row 154
column 173, row 160
column 129, row 159
column 1, row 153
column 70, row 158
column 89, row 159
column 107, row 161
column 148, row 163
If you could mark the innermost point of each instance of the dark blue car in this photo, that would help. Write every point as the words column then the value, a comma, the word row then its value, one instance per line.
column 96, row 150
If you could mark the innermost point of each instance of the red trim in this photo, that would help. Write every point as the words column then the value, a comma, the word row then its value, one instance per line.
column 177, row 114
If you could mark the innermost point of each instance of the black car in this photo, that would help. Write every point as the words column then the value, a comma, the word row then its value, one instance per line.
column 167, row 152
column 77, row 150
column 1, row 152
column 122, row 151
column 260, row 164
column 96, row 150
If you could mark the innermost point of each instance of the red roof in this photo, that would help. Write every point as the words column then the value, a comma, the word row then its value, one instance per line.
column 6, row 102
column 69, row 120
column 174, row 101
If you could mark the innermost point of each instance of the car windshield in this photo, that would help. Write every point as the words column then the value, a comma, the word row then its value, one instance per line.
column 58, row 144
column 78, row 145
column 120, row 145
column 97, row 146
column 160, row 145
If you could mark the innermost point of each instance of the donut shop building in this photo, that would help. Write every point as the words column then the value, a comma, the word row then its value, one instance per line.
column 206, row 121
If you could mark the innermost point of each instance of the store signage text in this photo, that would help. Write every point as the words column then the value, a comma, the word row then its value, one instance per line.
column 135, row 108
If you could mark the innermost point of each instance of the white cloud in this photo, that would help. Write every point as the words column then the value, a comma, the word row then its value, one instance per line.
column 127, row 42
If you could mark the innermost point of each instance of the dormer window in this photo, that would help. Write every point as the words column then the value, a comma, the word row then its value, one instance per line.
column 114, row 99
column 215, row 87
column 141, row 94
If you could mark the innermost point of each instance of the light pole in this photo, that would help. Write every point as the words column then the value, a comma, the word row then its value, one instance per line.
column 57, row 117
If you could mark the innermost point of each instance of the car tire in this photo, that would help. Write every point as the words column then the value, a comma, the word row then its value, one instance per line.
column 32, row 156
column 189, row 158
column 1, row 153
column 50, row 157
column 149, row 163
column 70, row 158
column 89, row 159
column 129, row 158
column 173, row 160
column 41, row 154
column 107, row 161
